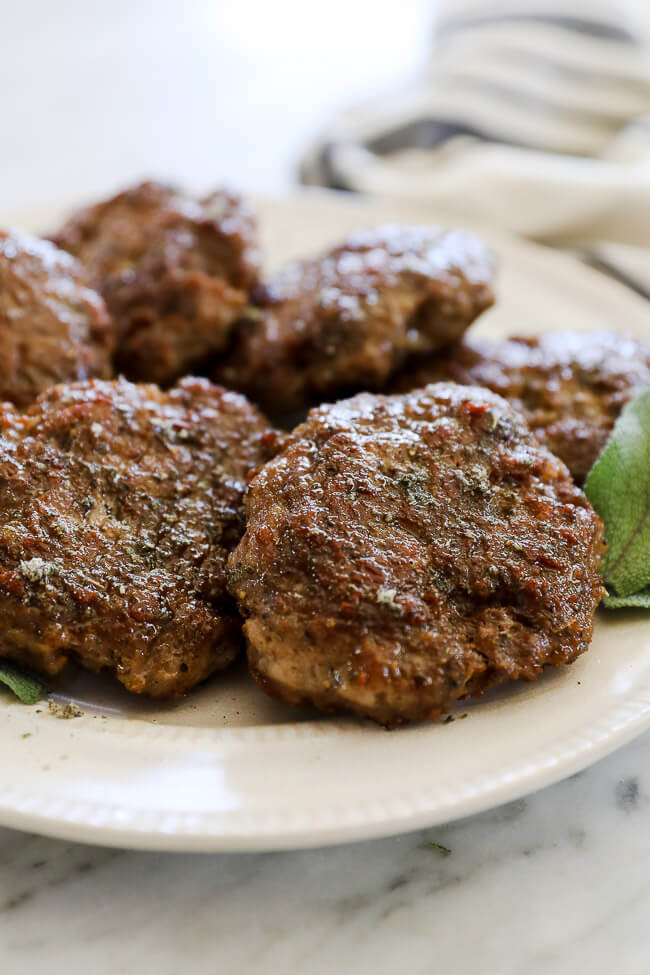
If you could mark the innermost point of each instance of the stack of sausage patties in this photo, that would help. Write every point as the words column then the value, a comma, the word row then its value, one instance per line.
column 419, row 537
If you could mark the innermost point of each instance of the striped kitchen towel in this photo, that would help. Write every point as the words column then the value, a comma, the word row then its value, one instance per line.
column 532, row 114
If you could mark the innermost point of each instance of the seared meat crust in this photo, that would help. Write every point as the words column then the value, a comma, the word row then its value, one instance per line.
column 403, row 552
column 570, row 386
column 175, row 273
column 349, row 319
column 119, row 505
column 53, row 327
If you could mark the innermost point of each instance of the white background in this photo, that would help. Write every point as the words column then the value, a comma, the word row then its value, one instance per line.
column 95, row 94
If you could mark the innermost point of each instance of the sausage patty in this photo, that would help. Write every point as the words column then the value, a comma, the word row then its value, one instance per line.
column 53, row 327
column 349, row 319
column 570, row 386
column 175, row 273
column 118, row 507
column 405, row 551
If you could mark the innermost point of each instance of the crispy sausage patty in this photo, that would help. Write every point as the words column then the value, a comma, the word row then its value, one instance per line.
column 53, row 327
column 570, row 386
column 351, row 318
column 175, row 273
column 406, row 551
column 118, row 507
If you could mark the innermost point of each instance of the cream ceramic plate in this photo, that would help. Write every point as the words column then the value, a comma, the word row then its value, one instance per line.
column 229, row 769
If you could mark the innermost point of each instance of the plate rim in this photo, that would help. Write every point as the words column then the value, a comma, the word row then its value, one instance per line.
column 112, row 825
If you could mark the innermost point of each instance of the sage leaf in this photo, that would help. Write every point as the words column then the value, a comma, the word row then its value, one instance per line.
column 618, row 486
column 638, row 600
column 26, row 687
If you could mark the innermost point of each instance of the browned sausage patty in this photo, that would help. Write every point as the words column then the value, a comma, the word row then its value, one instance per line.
column 53, row 327
column 570, row 386
column 118, row 507
column 175, row 273
column 406, row 551
column 349, row 319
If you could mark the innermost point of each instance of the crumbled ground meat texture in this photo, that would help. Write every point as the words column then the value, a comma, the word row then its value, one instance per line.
column 175, row 273
column 570, row 386
column 53, row 327
column 348, row 320
column 119, row 505
column 403, row 552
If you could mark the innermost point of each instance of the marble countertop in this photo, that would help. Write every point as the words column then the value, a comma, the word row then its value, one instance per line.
column 554, row 884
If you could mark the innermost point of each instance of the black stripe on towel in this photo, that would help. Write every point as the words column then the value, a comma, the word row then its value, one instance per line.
column 324, row 168
column 591, row 28
column 600, row 264
column 425, row 133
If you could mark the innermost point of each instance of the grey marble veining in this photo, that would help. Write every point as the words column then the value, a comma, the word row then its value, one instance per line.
column 556, row 883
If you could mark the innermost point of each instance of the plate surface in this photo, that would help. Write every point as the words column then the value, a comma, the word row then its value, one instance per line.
column 230, row 769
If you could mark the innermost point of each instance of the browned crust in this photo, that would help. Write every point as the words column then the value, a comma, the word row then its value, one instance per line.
column 53, row 326
column 350, row 318
column 175, row 272
column 404, row 552
column 570, row 386
column 120, row 504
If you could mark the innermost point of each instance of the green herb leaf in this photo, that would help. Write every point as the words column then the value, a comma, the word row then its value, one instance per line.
column 618, row 486
column 438, row 848
column 638, row 600
column 26, row 687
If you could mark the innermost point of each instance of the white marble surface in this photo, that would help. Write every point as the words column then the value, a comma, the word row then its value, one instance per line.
column 97, row 93
column 556, row 884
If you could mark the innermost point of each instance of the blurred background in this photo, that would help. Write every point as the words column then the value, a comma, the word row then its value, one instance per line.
column 95, row 94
